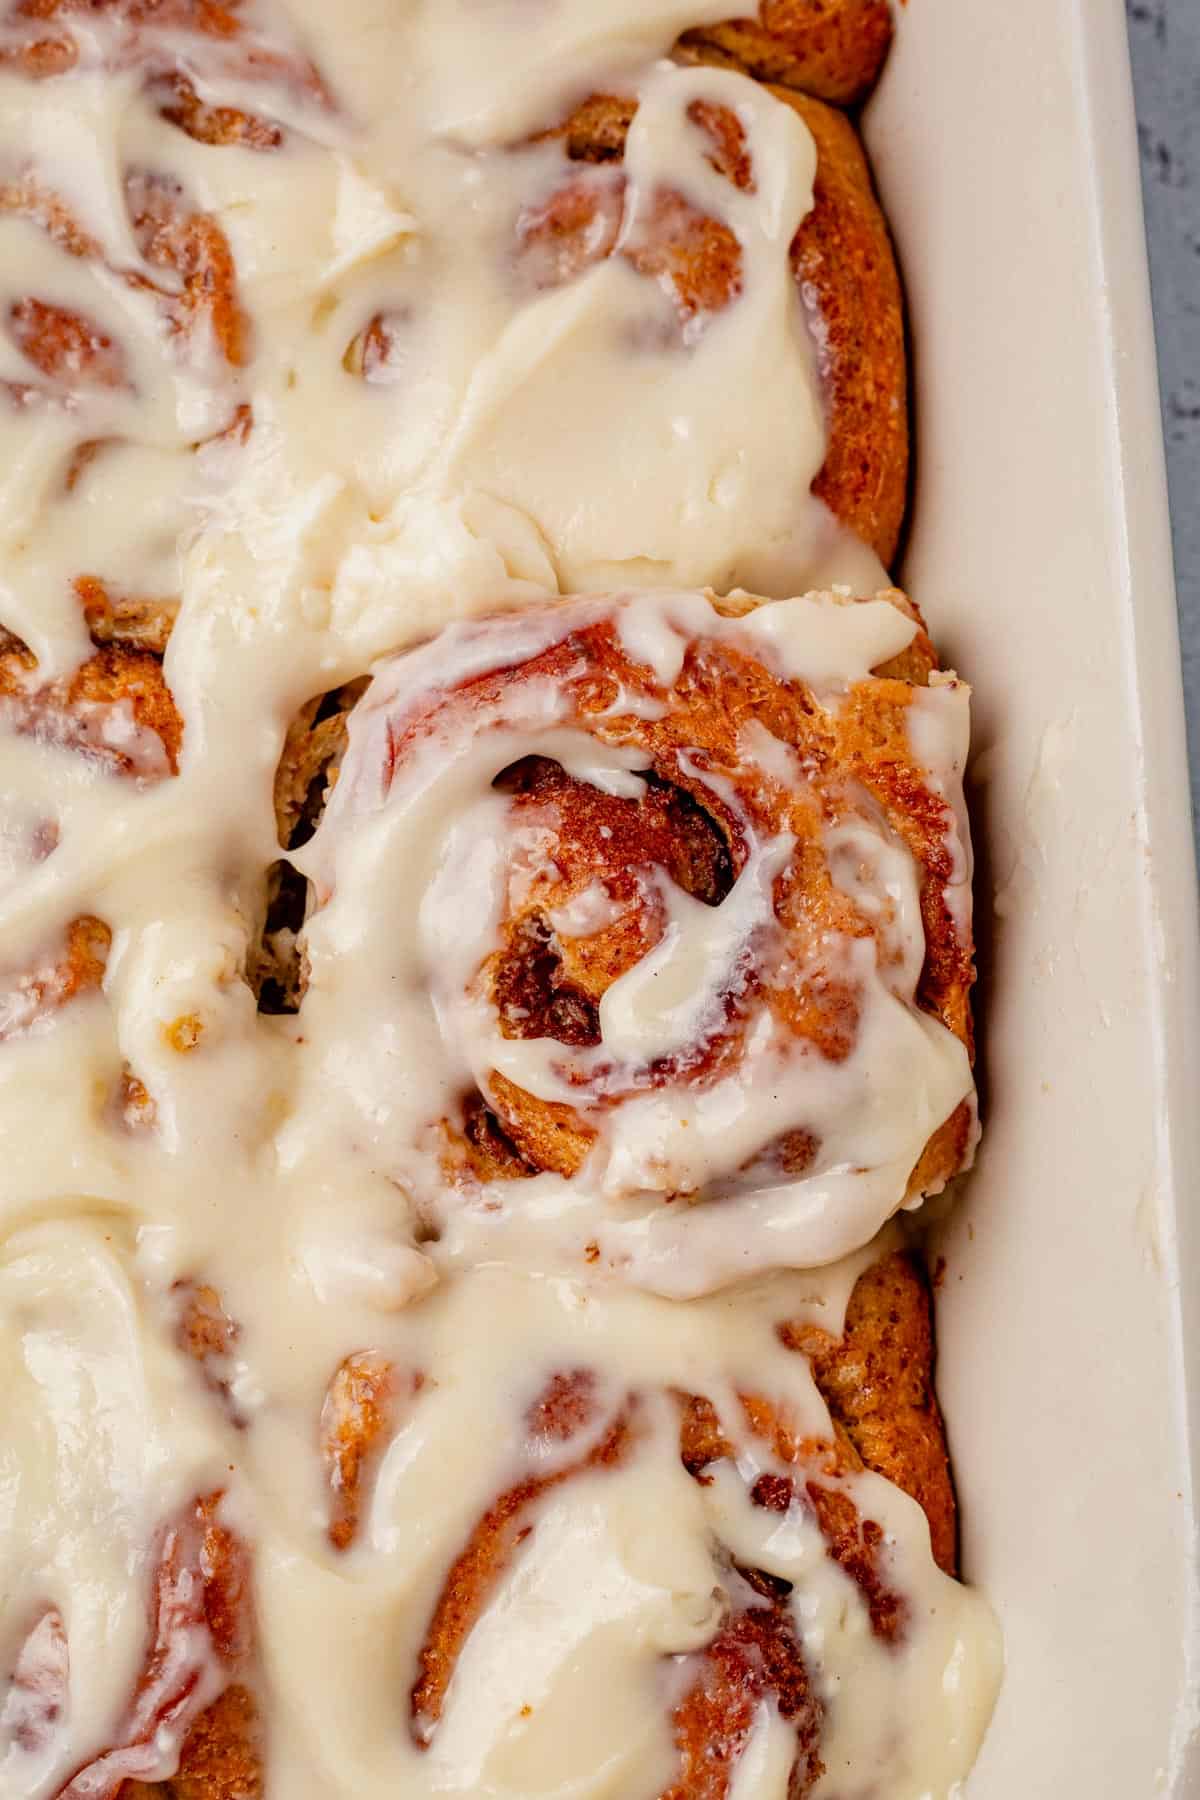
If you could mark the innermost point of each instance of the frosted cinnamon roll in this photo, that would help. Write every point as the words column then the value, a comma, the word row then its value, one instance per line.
column 128, row 1628
column 745, row 1546
column 737, row 1513
column 190, row 1714
column 123, row 343
column 188, row 279
column 178, row 47
column 667, row 900
column 116, row 715
column 840, row 256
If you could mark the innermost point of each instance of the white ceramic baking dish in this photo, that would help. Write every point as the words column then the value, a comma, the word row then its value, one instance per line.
column 1003, row 140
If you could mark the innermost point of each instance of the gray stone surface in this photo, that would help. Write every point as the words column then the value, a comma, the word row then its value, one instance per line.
column 1164, row 36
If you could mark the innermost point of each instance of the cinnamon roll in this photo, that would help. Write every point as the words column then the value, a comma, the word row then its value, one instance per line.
column 840, row 256
column 670, row 898
column 177, row 47
column 745, row 1545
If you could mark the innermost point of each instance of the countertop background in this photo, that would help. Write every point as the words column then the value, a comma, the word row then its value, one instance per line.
column 1164, row 37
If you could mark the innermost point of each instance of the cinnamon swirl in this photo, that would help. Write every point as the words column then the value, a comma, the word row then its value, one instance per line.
column 676, row 1513
column 673, row 896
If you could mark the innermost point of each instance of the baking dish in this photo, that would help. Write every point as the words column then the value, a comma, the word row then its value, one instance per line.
column 1003, row 143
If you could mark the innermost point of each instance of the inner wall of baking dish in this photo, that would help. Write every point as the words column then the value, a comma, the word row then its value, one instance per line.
column 1003, row 144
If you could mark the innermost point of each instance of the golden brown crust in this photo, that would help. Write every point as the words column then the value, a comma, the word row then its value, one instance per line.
column 221, row 1757
column 205, row 1332
column 40, row 58
column 209, row 124
column 193, row 247
column 115, row 675
column 123, row 619
column 855, row 1543
column 16, row 659
column 66, row 347
column 877, row 1381
column 845, row 272
column 358, row 1415
column 209, row 18
column 596, row 130
column 833, row 49
column 88, row 943
column 482, row 1150
column 858, row 1546
column 949, row 1148
column 548, row 1135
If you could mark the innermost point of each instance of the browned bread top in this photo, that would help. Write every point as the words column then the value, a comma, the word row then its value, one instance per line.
column 844, row 267
column 832, row 49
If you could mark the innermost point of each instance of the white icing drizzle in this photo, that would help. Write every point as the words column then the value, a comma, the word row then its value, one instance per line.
column 658, row 1008
column 619, row 1573
column 391, row 426
column 107, row 1441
